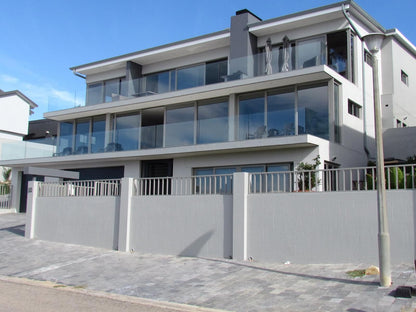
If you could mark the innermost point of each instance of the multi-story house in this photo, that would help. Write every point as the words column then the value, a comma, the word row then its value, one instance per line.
column 260, row 96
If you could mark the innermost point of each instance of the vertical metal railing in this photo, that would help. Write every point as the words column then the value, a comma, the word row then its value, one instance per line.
column 398, row 177
column 87, row 188
column 194, row 185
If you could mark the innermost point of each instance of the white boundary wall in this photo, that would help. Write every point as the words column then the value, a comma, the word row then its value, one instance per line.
column 304, row 227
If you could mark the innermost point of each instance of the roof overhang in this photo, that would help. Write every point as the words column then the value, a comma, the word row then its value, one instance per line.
column 165, row 52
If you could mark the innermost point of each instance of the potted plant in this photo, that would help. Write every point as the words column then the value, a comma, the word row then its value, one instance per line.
column 306, row 175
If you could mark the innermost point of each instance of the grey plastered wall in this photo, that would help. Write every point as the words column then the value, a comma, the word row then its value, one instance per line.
column 328, row 227
column 91, row 221
column 182, row 225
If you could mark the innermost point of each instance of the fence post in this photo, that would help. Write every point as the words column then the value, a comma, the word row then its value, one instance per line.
column 125, row 214
column 240, row 193
column 32, row 194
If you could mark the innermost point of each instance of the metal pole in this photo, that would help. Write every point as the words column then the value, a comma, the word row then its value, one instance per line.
column 383, row 228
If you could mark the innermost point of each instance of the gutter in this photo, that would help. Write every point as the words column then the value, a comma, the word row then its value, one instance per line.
column 74, row 71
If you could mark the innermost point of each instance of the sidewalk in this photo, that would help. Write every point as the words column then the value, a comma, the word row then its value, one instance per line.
column 210, row 283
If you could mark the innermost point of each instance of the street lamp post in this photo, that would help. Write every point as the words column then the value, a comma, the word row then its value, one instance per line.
column 374, row 42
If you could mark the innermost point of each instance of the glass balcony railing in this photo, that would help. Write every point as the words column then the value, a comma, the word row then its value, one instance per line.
column 307, row 53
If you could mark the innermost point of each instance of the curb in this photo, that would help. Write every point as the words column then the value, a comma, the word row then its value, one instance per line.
column 95, row 293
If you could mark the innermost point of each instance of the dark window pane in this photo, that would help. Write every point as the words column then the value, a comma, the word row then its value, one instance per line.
column 213, row 123
column 251, row 116
column 337, row 52
column 180, row 126
column 190, row 77
column 313, row 111
column 281, row 113
column 127, row 132
column 215, row 71
column 95, row 93
column 98, row 135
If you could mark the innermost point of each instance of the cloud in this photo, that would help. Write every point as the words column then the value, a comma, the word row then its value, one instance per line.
column 8, row 79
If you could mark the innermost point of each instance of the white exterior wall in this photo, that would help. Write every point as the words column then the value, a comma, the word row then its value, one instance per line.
column 404, row 107
column 14, row 116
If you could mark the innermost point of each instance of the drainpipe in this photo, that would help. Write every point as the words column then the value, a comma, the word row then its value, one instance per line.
column 367, row 152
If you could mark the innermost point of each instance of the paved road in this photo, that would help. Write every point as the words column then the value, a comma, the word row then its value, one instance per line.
column 21, row 295
column 211, row 283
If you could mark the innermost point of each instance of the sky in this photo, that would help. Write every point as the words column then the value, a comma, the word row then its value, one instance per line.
column 41, row 40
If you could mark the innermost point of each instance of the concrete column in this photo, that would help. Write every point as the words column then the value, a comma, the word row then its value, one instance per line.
column 240, row 193
column 125, row 214
column 16, row 183
column 32, row 194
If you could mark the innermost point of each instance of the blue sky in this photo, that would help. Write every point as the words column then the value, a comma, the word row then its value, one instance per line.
column 41, row 39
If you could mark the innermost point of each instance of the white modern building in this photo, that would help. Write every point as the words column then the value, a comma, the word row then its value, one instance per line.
column 260, row 96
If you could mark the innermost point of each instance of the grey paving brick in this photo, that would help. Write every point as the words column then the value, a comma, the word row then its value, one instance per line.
column 212, row 283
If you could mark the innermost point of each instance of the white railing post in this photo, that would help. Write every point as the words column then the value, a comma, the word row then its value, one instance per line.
column 127, row 186
column 32, row 194
column 240, row 194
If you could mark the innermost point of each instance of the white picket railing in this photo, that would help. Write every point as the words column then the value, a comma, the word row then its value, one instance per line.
column 87, row 188
column 5, row 196
column 333, row 180
column 195, row 185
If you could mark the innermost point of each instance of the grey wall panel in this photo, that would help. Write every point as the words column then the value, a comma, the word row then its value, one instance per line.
column 328, row 227
column 91, row 221
column 182, row 225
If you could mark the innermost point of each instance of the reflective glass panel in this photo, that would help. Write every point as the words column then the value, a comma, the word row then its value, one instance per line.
column 281, row 113
column 251, row 117
column 112, row 90
column 313, row 116
column 213, row 122
column 180, row 126
column 216, row 71
column 95, row 93
column 65, row 138
column 82, row 133
column 310, row 52
column 157, row 83
column 127, row 129
column 98, row 134
column 190, row 77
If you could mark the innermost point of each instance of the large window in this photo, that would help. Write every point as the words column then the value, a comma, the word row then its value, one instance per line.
column 212, row 121
column 310, row 52
column 313, row 113
column 106, row 91
column 190, row 77
column 279, row 107
column 180, row 126
column 277, row 179
column 215, row 71
column 251, row 116
column 98, row 134
column 127, row 132
column 281, row 112
column 66, row 135
column 82, row 136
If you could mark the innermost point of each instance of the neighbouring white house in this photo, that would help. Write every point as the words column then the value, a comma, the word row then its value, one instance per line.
column 14, row 117
column 259, row 96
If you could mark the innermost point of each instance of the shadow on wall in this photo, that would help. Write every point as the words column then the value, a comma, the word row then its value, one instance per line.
column 196, row 246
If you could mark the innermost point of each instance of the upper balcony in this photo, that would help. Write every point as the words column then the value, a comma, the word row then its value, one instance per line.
column 333, row 50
